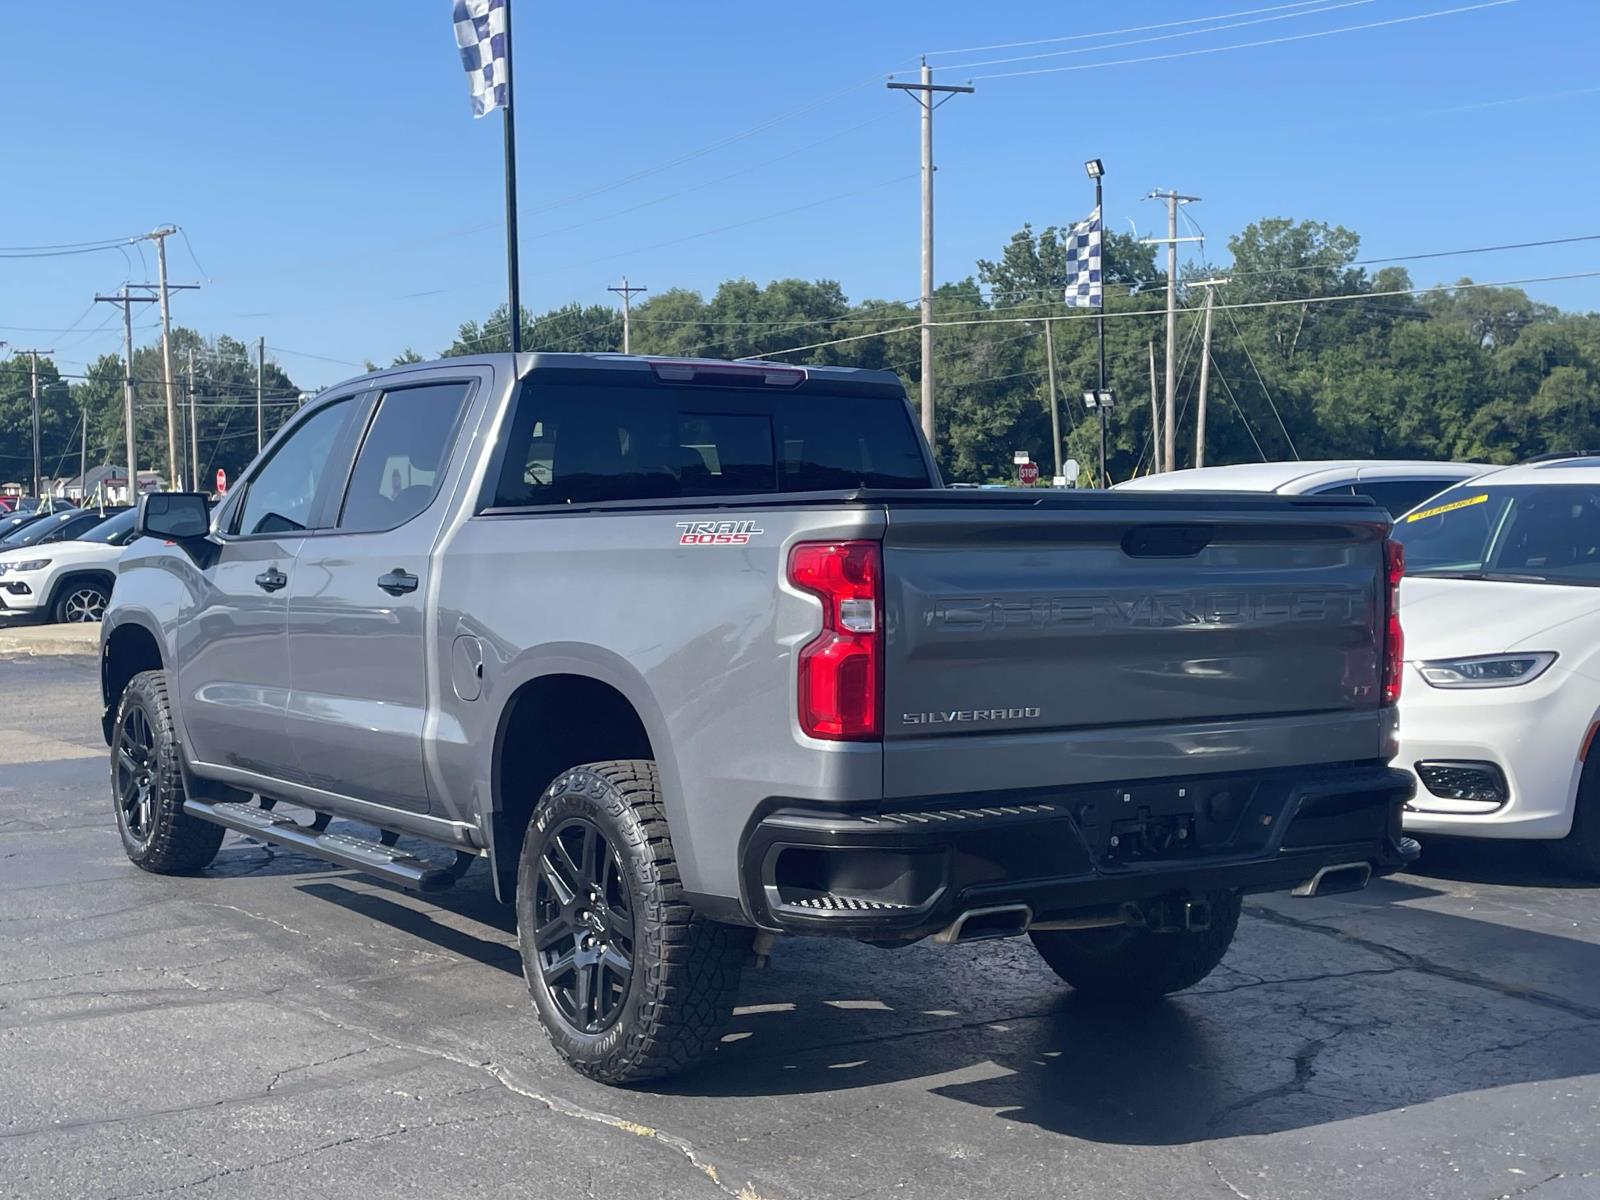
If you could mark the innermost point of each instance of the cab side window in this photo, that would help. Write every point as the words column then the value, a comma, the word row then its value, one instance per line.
column 279, row 497
column 403, row 457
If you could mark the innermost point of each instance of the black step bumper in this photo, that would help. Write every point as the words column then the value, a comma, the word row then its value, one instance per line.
column 909, row 869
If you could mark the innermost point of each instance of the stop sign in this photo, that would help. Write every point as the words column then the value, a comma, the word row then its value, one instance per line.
column 222, row 482
column 1028, row 473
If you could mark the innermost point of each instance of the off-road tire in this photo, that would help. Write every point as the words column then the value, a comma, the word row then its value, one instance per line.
column 165, row 840
column 685, row 969
column 1580, row 849
column 1135, row 965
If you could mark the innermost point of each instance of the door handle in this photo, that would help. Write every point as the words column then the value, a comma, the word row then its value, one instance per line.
column 398, row 582
column 272, row 580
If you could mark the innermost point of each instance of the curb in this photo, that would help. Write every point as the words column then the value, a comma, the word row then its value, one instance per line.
column 48, row 640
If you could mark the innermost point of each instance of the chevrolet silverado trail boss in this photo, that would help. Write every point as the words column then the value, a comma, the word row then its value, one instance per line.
column 695, row 654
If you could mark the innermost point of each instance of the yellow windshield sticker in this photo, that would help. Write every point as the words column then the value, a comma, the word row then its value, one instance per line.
column 1444, row 508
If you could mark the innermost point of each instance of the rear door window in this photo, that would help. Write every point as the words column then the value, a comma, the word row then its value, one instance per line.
column 1401, row 495
column 586, row 444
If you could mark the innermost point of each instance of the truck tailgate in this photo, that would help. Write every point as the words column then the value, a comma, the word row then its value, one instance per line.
column 1006, row 621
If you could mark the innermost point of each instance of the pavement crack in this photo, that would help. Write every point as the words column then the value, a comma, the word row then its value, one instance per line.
column 1426, row 966
column 1260, row 982
column 312, row 1151
column 555, row 1104
column 1226, row 1182
column 277, row 1076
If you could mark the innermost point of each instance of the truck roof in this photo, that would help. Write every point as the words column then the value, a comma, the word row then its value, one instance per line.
column 858, row 379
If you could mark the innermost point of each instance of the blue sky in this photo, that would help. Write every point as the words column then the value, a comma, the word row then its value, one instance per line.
column 342, row 202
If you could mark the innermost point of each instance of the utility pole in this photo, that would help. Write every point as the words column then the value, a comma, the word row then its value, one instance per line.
column 159, row 237
column 1055, row 409
column 923, row 93
column 1172, row 199
column 127, row 300
column 627, row 314
column 33, row 375
column 83, row 453
column 261, row 371
column 1205, row 372
column 1155, row 413
column 194, row 430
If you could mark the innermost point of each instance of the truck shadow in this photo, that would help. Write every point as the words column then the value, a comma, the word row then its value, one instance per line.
column 1476, row 860
column 1298, row 1029
column 1369, row 1006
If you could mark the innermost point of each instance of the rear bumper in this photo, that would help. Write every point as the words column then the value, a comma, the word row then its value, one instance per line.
column 907, row 872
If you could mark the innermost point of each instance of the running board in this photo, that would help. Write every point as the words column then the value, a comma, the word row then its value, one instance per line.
column 395, row 866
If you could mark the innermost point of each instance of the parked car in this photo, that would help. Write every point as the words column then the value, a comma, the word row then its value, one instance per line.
column 698, row 653
column 69, row 580
column 11, row 522
column 54, row 527
column 1502, row 703
column 1396, row 484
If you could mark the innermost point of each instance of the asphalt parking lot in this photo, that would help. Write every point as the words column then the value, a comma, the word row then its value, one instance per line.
column 280, row 1027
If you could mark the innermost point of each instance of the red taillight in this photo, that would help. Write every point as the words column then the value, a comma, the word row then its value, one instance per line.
column 841, row 669
column 1394, row 639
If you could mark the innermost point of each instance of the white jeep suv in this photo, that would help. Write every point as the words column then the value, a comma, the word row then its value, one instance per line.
column 1501, row 697
column 67, row 580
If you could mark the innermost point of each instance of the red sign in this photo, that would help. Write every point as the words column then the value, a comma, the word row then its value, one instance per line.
column 222, row 482
column 1028, row 473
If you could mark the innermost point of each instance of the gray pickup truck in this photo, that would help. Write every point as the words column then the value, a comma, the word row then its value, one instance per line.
column 697, row 654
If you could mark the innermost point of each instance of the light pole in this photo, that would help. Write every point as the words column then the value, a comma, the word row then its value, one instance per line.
column 1095, row 169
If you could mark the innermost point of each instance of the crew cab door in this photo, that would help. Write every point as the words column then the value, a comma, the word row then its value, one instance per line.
column 357, row 607
column 233, row 675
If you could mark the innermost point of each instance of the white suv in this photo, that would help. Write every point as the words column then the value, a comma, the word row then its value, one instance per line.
column 68, row 580
column 1396, row 484
column 1501, row 698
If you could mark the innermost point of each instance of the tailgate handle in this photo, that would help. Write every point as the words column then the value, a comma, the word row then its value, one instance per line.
column 1167, row 541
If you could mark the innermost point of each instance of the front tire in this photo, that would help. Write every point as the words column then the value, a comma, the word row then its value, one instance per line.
column 1580, row 849
column 147, row 785
column 1133, row 965
column 80, row 601
column 628, row 982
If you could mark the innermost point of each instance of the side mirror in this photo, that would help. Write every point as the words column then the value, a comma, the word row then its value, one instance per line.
column 174, row 516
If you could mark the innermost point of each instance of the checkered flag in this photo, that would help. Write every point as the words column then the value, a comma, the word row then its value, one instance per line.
column 1083, row 263
column 481, row 34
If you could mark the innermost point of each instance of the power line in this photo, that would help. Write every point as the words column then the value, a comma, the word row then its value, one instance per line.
column 1164, row 37
column 1278, row 41
column 1265, row 391
column 1152, row 312
column 1079, row 37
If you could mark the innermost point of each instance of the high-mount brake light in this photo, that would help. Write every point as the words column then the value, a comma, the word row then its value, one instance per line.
column 1394, row 638
column 841, row 669
column 690, row 370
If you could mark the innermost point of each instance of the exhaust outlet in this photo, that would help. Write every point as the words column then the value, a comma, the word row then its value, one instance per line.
column 1343, row 877
column 979, row 924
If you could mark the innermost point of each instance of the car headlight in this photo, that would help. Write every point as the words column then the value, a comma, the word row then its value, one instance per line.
column 1486, row 670
column 32, row 564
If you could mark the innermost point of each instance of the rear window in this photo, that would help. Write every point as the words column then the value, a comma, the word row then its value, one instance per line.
column 584, row 444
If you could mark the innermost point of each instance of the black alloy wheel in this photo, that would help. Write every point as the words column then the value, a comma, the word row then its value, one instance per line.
column 583, row 926
column 134, row 772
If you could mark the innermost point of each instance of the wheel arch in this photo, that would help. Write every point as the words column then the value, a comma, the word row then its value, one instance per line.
column 126, row 649
column 567, row 710
column 77, row 575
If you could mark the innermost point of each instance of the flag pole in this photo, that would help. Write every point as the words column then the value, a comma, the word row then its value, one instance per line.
column 514, row 310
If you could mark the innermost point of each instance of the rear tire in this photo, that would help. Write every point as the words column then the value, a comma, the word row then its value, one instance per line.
column 147, row 785
column 628, row 982
column 1134, row 965
column 1580, row 849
